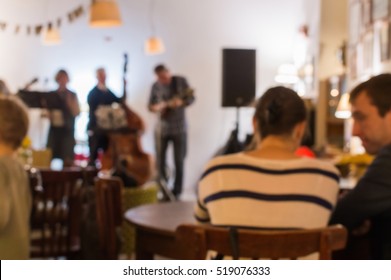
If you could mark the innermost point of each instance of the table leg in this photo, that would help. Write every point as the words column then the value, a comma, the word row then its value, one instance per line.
column 142, row 253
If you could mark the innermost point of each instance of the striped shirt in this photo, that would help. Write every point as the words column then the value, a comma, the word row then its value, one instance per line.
column 244, row 191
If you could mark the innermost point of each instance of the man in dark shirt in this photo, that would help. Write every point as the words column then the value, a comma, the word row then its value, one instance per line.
column 370, row 200
column 99, row 95
column 170, row 95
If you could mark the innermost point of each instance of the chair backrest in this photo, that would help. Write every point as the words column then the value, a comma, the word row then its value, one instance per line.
column 108, row 214
column 89, row 175
column 56, row 212
column 256, row 244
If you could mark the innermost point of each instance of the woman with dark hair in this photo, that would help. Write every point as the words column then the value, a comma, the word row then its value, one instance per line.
column 270, row 186
column 61, row 139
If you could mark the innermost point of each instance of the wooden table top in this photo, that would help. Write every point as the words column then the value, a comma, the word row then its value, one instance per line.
column 162, row 218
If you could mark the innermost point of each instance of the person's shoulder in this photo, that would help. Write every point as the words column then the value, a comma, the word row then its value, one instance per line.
column 72, row 93
column 93, row 91
column 224, row 160
column 381, row 165
column 155, row 85
column 319, row 164
column 384, row 154
column 179, row 77
column 10, row 164
column 217, row 162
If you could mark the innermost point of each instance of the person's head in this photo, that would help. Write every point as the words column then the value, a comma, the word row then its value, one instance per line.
column 3, row 88
column 14, row 122
column 280, row 112
column 163, row 74
column 101, row 75
column 371, row 112
column 62, row 78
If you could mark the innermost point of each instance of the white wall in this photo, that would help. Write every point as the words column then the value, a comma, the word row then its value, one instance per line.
column 194, row 32
column 334, row 31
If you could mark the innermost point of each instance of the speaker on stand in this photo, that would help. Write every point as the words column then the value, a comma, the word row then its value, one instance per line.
column 238, row 89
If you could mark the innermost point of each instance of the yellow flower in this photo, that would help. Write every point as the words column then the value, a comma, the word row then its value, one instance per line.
column 362, row 159
column 26, row 143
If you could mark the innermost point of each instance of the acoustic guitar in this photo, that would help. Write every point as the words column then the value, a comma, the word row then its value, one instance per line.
column 170, row 104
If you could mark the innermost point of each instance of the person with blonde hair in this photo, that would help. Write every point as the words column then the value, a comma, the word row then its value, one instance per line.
column 15, row 196
column 270, row 187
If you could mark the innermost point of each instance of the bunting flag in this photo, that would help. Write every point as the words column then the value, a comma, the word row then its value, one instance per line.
column 3, row 25
column 38, row 28
column 59, row 20
column 79, row 11
column 70, row 17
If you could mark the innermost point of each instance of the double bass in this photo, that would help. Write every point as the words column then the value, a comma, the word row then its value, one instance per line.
column 124, row 155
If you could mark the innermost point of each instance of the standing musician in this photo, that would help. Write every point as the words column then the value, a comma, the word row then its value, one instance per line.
column 169, row 97
column 61, row 139
column 99, row 95
column 116, row 129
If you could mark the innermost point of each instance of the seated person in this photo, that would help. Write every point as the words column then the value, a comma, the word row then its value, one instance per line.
column 15, row 196
column 369, row 203
column 270, row 187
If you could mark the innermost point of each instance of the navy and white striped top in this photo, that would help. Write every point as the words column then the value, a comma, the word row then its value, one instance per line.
column 241, row 190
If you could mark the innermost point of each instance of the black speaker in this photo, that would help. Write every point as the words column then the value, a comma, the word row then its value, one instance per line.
column 238, row 77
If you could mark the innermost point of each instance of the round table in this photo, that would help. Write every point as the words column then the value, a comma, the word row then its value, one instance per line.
column 155, row 226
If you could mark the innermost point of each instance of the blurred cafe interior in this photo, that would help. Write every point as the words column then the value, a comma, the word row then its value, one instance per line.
column 168, row 129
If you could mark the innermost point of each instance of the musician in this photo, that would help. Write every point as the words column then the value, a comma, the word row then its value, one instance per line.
column 61, row 139
column 99, row 95
column 169, row 97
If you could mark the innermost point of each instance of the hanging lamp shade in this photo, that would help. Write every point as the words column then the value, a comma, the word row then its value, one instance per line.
column 51, row 36
column 154, row 45
column 343, row 108
column 104, row 13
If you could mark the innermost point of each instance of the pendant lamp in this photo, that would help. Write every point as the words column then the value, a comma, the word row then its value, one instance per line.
column 51, row 36
column 104, row 13
column 153, row 45
column 343, row 108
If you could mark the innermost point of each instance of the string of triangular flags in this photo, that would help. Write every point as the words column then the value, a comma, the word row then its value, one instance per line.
column 36, row 29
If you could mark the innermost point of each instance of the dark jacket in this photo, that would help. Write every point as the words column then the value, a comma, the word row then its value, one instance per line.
column 371, row 199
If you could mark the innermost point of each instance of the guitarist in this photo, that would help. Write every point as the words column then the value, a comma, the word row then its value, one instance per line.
column 169, row 97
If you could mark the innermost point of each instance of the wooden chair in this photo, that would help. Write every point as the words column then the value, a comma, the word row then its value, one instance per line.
column 55, row 216
column 109, row 214
column 256, row 244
